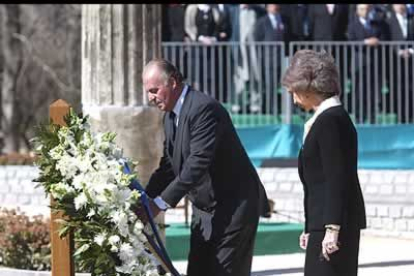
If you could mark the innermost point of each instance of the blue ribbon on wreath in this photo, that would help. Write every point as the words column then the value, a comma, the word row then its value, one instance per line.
column 157, row 243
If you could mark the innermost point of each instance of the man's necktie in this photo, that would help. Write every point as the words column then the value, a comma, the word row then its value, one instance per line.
column 279, row 26
column 277, row 19
column 172, row 122
column 410, row 9
column 368, row 28
column 404, row 27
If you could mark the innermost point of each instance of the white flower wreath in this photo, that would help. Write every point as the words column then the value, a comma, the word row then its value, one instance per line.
column 84, row 174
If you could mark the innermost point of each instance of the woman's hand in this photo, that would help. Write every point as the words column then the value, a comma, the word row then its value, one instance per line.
column 330, row 243
column 303, row 240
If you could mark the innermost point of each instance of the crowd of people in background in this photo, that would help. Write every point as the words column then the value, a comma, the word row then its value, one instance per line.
column 370, row 23
column 209, row 23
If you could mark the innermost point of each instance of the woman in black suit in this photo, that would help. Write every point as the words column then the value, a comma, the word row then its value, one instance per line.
column 333, row 203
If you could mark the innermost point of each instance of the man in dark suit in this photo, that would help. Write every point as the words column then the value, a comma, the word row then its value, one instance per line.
column 274, row 26
column 328, row 22
column 222, row 54
column 297, row 14
column 367, row 64
column 173, row 31
column 205, row 160
column 401, row 25
column 173, row 23
column 333, row 201
column 224, row 23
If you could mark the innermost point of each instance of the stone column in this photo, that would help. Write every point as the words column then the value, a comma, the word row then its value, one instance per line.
column 117, row 41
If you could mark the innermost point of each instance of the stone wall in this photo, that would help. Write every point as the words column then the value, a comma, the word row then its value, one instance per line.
column 389, row 196
column 18, row 190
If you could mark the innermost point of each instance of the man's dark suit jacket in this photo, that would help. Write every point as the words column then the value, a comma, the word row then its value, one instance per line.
column 328, row 171
column 395, row 29
column 298, row 18
column 224, row 23
column 402, row 65
column 357, row 32
column 264, row 31
column 326, row 27
column 208, row 163
column 271, row 57
column 173, row 22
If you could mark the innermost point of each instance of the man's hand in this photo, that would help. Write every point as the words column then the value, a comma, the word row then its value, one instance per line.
column 303, row 240
column 208, row 40
column 330, row 243
column 405, row 53
column 223, row 35
column 155, row 210
column 372, row 41
column 139, row 210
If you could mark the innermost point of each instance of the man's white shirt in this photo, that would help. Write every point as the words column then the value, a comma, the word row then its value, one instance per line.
column 179, row 105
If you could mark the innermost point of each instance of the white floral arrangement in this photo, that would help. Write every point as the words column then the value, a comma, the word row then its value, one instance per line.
column 84, row 174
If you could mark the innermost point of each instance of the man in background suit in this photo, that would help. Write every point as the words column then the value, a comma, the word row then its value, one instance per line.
column 297, row 14
column 222, row 55
column 367, row 87
column 274, row 26
column 173, row 23
column 246, row 98
column 401, row 25
column 204, row 159
column 173, row 31
column 329, row 22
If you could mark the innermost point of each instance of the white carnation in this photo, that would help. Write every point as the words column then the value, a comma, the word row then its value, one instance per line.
column 114, row 239
column 67, row 165
column 121, row 197
column 91, row 213
column 80, row 201
column 84, row 164
column 126, row 252
column 78, row 181
column 121, row 221
column 100, row 239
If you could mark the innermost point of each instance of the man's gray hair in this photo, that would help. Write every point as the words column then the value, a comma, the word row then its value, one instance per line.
column 167, row 69
column 312, row 72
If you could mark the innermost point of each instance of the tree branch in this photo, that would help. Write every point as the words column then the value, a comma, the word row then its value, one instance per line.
column 62, row 86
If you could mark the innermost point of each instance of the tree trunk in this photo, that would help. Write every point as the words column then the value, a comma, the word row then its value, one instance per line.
column 12, row 63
